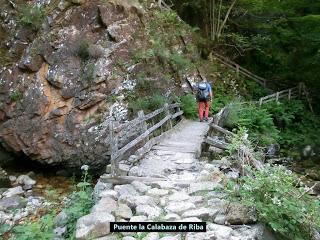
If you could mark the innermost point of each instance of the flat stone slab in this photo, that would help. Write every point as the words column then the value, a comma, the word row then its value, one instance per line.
column 123, row 211
column 106, row 204
column 163, row 184
column 203, row 186
column 202, row 213
column 140, row 218
column 190, row 219
column 14, row 202
column 172, row 217
column 150, row 211
column 126, row 189
column 109, row 193
column 156, row 192
column 13, row 191
column 179, row 196
column 179, row 207
column 140, row 186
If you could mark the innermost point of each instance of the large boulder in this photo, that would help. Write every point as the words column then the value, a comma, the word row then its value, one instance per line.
column 237, row 214
column 25, row 181
column 94, row 225
column 11, row 203
column 13, row 192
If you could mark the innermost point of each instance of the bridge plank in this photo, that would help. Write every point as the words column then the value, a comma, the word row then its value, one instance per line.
column 216, row 143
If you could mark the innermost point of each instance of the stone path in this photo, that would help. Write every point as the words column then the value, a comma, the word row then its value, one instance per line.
column 175, row 157
column 190, row 192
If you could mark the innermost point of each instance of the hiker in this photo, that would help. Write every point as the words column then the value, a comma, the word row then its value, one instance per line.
column 204, row 98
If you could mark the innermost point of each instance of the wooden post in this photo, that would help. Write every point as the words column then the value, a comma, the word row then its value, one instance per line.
column 300, row 89
column 277, row 97
column 167, row 112
column 144, row 126
column 237, row 70
column 113, row 150
column 260, row 102
column 289, row 95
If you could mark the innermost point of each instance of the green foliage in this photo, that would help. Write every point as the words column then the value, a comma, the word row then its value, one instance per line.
column 284, row 40
column 79, row 204
column 298, row 126
column 189, row 106
column 179, row 62
column 255, row 90
column 82, row 50
column 239, row 139
column 280, row 201
column 143, row 85
column 41, row 229
column 31, row 16
column 15, row 96
column 88, row 73
column 257, row 120
column 4, row 228
column 147, row 104
column 164, row 31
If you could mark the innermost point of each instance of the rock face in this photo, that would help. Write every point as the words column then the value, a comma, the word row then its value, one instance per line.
column 54, row 100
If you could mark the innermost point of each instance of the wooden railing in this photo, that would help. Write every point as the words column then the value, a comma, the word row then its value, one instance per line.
column 240, row 70
column 292, row 93
column 289, row 94
column 244, row 154
column 171, row 112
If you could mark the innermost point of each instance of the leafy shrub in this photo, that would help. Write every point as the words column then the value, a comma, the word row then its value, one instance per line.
column 299, row 127
column 189, row 106
column 143, row 85
column 41, row 229
column 16, row 95
column 147, row 104
column 279, row 201
column 255, row 90
column 32, row 16
column 239, row 139
column 88, row 73
column 82, row 50
column 179, row 62
column 80, row 204
column 257, row 120
column 285, row 113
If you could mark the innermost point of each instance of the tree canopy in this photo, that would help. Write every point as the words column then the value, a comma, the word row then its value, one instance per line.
column 276, row 39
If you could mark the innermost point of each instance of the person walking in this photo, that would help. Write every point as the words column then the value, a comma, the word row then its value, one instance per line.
column 204, row 98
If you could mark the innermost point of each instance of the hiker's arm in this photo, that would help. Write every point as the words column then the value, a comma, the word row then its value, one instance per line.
column 211, row 95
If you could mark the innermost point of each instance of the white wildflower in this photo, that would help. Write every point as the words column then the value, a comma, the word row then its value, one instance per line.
column 84, row 167
column 276, row 201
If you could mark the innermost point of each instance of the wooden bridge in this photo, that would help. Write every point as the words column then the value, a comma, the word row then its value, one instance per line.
column 149, row 125
column 148, row 130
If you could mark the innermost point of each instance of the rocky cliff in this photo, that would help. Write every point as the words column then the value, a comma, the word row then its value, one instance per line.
column 66, row 67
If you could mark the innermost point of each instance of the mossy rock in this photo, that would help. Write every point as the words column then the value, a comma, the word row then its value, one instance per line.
column 314, row 174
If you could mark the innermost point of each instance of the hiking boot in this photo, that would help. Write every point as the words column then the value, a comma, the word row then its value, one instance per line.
column 201, row 120
column 206, row 119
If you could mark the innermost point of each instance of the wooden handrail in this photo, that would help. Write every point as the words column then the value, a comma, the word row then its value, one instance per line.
column 240, row 69
column 117, row 154
column 287, row 93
